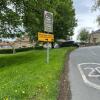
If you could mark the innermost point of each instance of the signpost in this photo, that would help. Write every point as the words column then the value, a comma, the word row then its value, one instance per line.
column 48, row 22
column 45, row 37
column 48, row 28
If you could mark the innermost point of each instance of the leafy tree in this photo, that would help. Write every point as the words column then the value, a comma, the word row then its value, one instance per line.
column 84, row 35
column 97, row 6
column 65, row 19
column 29, row 14
column 98, row 20
column 9, row 19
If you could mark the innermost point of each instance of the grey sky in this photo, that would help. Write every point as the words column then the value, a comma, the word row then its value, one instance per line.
column 85, row 16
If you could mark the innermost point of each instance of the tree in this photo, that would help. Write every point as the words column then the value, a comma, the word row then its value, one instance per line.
column 29, row 14
column 84, row 35
column 97, row 6
column 9, row 19
column 98, row 20
column 64, row 19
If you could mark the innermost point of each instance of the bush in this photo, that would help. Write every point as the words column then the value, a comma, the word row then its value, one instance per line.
column 10, row 51
column 39, row 46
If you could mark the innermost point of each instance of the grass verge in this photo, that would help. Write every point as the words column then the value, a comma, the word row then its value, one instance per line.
column 26, row 76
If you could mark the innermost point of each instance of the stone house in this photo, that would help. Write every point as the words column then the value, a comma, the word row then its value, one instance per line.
column 22, row 42
column 95, row 37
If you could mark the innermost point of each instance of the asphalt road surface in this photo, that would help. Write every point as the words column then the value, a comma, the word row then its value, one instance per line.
column 84, row 73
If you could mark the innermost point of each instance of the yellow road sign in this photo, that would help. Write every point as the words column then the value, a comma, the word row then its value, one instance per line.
column 45, row 37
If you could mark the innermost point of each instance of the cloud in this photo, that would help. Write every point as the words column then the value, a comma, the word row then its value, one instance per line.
column 86, row 18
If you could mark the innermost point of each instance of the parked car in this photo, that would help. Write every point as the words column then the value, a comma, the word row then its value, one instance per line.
column 68, row 44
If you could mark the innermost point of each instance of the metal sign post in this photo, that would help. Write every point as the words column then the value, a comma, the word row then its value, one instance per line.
column 48, row 27
column 44, row 37
column 48, row 53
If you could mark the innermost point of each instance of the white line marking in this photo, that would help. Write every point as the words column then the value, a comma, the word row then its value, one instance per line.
column 98, row 69
column 84, row 77
column 92, row 71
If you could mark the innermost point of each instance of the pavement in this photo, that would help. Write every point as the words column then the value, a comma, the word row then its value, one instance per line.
column 84, row 73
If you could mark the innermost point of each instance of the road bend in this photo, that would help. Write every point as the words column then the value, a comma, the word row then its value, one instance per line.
column 84, row 73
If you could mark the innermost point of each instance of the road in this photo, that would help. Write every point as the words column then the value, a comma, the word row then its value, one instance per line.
column 84, row 73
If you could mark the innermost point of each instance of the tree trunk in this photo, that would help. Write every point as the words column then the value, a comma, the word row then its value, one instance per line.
column 14, row 51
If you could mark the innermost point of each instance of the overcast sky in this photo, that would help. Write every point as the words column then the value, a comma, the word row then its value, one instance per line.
column 85, row 16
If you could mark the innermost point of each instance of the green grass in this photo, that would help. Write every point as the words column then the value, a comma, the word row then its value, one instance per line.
column 26, row 76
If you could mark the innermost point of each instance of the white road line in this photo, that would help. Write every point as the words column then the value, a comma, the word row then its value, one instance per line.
column 84, row 77
column 98, row 69
column 91, row 74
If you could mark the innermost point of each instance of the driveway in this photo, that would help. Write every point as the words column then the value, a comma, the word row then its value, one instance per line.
column 84, row 73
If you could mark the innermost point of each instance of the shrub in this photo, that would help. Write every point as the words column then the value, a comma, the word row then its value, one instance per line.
column 9, row 51
column 39, row 45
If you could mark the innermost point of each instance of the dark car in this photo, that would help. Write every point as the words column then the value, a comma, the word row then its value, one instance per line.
column 68, row 44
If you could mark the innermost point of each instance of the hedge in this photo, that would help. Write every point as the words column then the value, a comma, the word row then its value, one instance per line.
column 10, row 51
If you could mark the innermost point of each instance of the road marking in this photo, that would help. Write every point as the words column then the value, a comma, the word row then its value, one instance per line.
column 84, row 77
column 98, row 69
column 92, row 71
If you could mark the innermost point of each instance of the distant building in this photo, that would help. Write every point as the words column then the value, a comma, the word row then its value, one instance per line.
column 24, row 41
column 18, row 42
column 95, row 37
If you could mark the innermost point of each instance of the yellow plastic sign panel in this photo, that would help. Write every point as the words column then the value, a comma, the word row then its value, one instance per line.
column 45, row 37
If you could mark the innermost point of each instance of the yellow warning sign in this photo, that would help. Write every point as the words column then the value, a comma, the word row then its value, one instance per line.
column 45, row 37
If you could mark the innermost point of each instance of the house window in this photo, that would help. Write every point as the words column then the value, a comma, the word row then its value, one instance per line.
column 94, row 40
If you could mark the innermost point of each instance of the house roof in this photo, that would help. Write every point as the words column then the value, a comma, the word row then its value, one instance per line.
column 97, row 31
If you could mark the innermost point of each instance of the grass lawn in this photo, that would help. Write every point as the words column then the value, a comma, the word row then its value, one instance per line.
column 26, row 76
